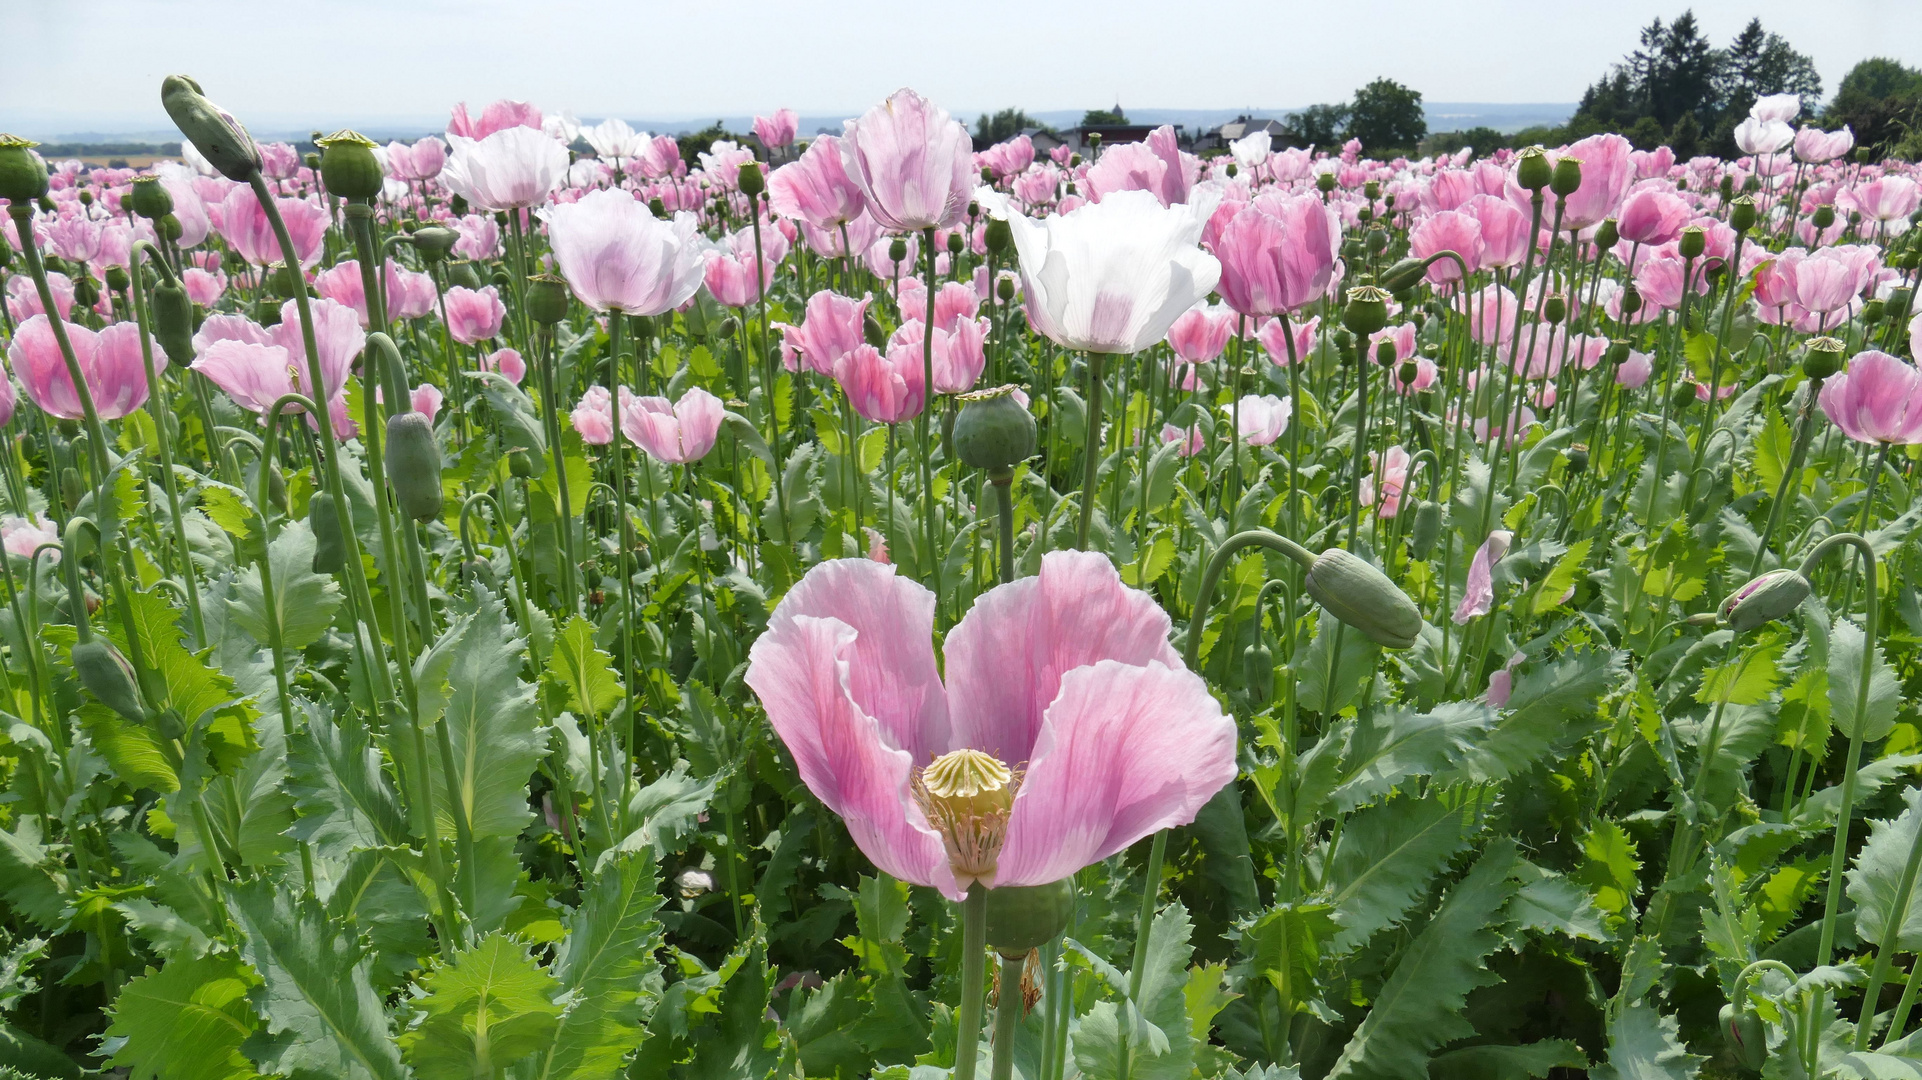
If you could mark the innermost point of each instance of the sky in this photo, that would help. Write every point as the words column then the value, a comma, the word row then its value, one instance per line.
column 97, row 65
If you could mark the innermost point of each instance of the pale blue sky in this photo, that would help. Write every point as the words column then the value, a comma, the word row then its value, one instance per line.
column 97, row 64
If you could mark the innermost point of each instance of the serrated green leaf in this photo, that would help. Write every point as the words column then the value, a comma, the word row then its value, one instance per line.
column 585, row 672
column 186, row 1019
column 1568, row 569
column 1874, row 882
column 341, row 788
column 1530, row 1061
column 1390, row 746
column 1749, row 680
column 1845, row 682
column 1161, row 1044
column 1386, row 859
column 603, row 964
column 1420, row 1006
column 1553, row 904
column 315, row 991
column 1552, row 703
column 487, row 1008
column 494, row 726
column 1284, row 945
column 302, row 603
column 1642, row 1045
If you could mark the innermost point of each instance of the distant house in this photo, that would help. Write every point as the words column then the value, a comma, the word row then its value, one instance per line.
column 1081, row 136
column 1044, row 139
column 1238, row 128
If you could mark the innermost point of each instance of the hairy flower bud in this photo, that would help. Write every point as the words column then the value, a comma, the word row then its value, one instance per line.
column 213, row 130
column 413, row 465
column 173, row 322
column 1764, row 599
column 107, row 675
column 1355, row 592
column 1744, row 1033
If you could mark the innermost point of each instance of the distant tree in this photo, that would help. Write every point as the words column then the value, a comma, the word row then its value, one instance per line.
column 1646, row 133
column 1541, row 135
column 1002, row 126
column 1386, row 115
column 694, row 144
column 1686, row 138
column 1095, row 117
column 1676, row 70
column 1317, row 125
column 1881, row 102
column 1759, row 63
column 1483, row 140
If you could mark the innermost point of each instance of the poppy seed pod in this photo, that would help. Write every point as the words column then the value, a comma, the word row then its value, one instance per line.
column 213, row 130
column 1366, row 310
column 173, row 322
column 546, row 299
column 1692, row 243
column 1631, row 299
column 1823, row 217
column 1385, row 353
column 168, row 226
column 349, row 167
column 1408, row 372
column 284, row 281
column 1577, row 458
column 1532, row 170
column 85, row 293
column 1554, row 310
column 1871, row 312
column 1325, row 182
column 1023, row 917
column 23, row 176
column 1376, row 241
column 1566, row 178
column 897, row 250
column 1352, row 590
column 434, row 242
column 1741, row 214
column 1727, row 186
column 117, row 279
column 998, row 235
column 413, row 465
column 750, row 180
column 1232, row 170
column 1745, row 1035
column 1607, row 235
column 107, row 675
column 1823, row 358
column 149, row 199
column 993, row 431
column 658, row 208
column 464, row 274
column 1618, row 353
column 987, row 176
column 1764, row 599
column 1004, row 289
column 955, row 243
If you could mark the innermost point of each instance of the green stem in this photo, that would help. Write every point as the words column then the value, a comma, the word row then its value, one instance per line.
column 974, row 971
column 1008, row 1007
column 1092, row 449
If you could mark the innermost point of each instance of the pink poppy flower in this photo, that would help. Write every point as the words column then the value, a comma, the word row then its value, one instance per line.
column 832, row 326
column 1189, row 440
column 474, row 315
column 506, row 361
column 593, row 416
column 1277, row 254
column 1264, row 418
column 1069, row 672
column 1878, row 399
column 1479, row 595
column 913, row 163
column 885, row 388
column 777, row 130
column 815, row 188
column 110, row 362
column 21, row 536
column 676, row 432
column 1394, row 471
column 1199, row 334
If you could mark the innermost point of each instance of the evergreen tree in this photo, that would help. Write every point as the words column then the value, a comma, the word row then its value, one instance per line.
column 1002, row 126
column 1676, row 70
column 1103, row 117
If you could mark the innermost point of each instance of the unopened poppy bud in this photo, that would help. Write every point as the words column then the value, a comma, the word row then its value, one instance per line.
column 1745, row 1035
column 1554, row 310
column 1567, row 177
column 643, row 327
column 1692, row 243
column 1366, row 310
column 998, row 236
column 107, row 675
column 1764, row 599
column 413, row 465
column 86, row 197
column 464, row 274
column 546, row 299
column 1352, row 590
column 168, row 226
column 149, row 199
column 501, row 279
column 1823, row 217
column 435, row 242
column 872, row 333
column 897, row 250
column 1631, row 299
column 525, row 465
column 1258, row 670
column 1024, row 917
column 349, row 167
column 457, row 205
column 955, row 243
column 730, row 326
column 1682, row 397
column 1532, row 170
column 1427, row 529
column 70, row 489
column 23, row 175
column 1823, row 357
column 1405, row 274
column 1325, row 182
column 173, row 322
column 116, row 279
column 1741, row 214
column 47, row 205
column 993, row 431
column 750, row 180
column 213, row 130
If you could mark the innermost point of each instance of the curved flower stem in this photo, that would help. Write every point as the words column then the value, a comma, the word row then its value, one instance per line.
column 974, row 971
column 1091, row 449
column 1218, row 564
column 921, row 421
column 1791, row 476
column 1008, row 1007
column 157, row 394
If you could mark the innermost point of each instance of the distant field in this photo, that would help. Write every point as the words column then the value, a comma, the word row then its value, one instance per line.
column 120, row 161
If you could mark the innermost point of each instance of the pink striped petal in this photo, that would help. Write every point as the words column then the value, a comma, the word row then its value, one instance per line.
column 1007, row 657
column 1123, row 752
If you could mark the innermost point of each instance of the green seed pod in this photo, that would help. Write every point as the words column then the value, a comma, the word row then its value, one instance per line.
column 1427, row 528
column 173, row 322
column 1693, row 242
column 1325, row 182
column 1764, row 599
column 330, row 547
column 1607, row 235
column 524, row 464
column 1358, row 594
column 897, row 250
column 872, row 333
column 457, row 205
column 107, row 675
column 168, row 226
column 117, row 279
column 349, row 167
column 1023, row 917
column 464, row 274
column 993, row 431
column 1004, row 289
column 285, row 281
column 1741, row 214
column 413, row 465
column 1577, row 458
column 658, row 208
column 1823, row 358
column 1567, row 177
column 149, row 198
column 1384, row 353
column 1532, row 170
column 998, row 236
column 1823, row 217
column 1726, row 187
column 85, row 293
column 1554, row 310
column 955, row 243
column 547, row 299
column 1258, row 668
column 434, row 242
column 1631, row 299
column 1366, row 310
column 23, row 175
column 213, row 130
column 1745, row 1035
column 1408, row 372
column 750, row 180
column 1872, row 311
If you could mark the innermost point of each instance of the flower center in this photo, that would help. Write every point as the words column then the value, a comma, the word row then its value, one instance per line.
column 968, row 796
